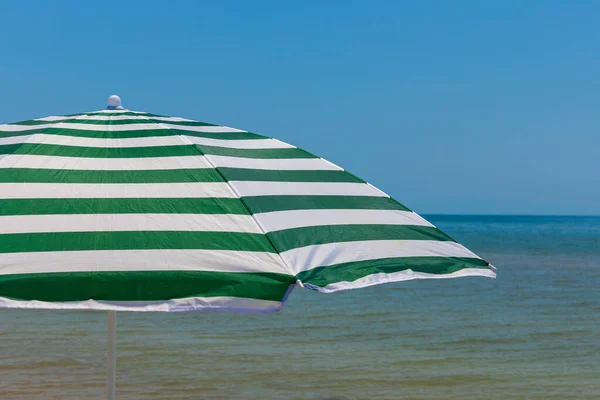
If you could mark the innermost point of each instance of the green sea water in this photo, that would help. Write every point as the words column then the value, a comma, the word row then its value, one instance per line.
column 533, row 333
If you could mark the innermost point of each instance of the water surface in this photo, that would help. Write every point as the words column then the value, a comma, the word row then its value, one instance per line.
column 533, row 333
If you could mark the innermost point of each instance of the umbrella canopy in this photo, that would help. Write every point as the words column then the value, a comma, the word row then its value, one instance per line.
column 126, row 210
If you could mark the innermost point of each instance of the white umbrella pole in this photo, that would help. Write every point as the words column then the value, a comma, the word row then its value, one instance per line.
column 111, row 356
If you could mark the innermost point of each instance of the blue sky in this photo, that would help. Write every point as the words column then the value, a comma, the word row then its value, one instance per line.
column 450, row 107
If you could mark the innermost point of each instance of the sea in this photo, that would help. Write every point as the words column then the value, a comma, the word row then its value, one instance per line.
column 532, row 333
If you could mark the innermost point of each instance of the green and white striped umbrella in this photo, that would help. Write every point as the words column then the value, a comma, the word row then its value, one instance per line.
column 124, row 210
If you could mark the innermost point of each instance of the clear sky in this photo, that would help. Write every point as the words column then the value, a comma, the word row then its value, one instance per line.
column 448, row 106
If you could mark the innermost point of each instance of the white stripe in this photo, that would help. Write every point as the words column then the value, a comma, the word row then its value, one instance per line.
column 152, row 141
column 171, row 119
column 240, row 144
column 54, row 118
column 282, row 164
column 118, row 128
column 102, row 164
column 309, row 257
column 116, row 111
column 278, row 220
column 19, row 128
column 85, row 117
column 14, row 139
column 207, row 129
column 113, row 190
column 140, row 260
column 186, row 304
column 107, row 128
column 127, row 222
column 250, row 188
column 399, row 276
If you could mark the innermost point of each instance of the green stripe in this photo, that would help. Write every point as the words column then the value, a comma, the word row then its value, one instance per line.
column 33, row 122
column 135, row 240
column 143, row 286
column 220, row 135
column 9, row 148
column 242, row 174
column 29, row 175
column 256, row 153
column 151, row 151
column 114, row 114
column 92, row 134
column 260, row 204
column 106, row 152
column 184, row 123
column 351, row 271
column 134, row 134
column 107, row 122
column 15, row 134
column 122, row 206
column 288, row 239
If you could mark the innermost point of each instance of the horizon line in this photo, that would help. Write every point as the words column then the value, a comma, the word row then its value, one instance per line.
column 508, row 215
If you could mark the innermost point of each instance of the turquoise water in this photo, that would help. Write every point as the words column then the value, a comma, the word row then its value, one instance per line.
column 533, row 333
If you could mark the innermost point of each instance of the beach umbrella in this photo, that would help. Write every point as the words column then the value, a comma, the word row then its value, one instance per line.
column 121, row 210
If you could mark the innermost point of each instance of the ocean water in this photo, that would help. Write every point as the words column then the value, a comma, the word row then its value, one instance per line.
column 533, row 333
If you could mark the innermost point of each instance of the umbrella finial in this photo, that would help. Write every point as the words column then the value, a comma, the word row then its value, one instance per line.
column 114, row 103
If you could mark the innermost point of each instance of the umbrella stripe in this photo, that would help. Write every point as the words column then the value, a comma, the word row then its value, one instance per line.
column 280, row 220
column 40, row 206
column 21, row 138
column 167, row 175
column 242, row 135
column 289, row 164
column 30, row 175
column 277, row 153
column 181, row 150
column 114, row 113
column 157, row 285
column 103, row 164
column 50, row 118
column 119, row 117
column 127, row 223
column 122, row 206
column 193, row 205
column 295, row 238
column 132, row 134
column 309, row 257
column 98, row 152
column 244, row 174
column 255, row 143
column 96, row 260
column 64, row 140
column 147, row 141
column 193, row 189
column 250, row 188
column 110, row 190
column 128, row 240
column 333, row 276
column 215, row 303
column 112, row 120
column 265, row 204
column 95, row 134
column 9, row 148
column 119, row 127
column 118, row 120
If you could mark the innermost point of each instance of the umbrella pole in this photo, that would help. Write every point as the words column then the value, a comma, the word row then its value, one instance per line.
column 111, row 356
